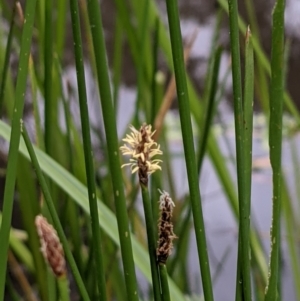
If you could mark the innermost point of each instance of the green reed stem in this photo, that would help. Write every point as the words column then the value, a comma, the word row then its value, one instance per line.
column 72, row 209
column 187, row 135
column 248, row 116
column 113, row 148
column 243, row 278
column 164, row 282
column 290, row 217
column 7, row 56
column 63, row 287
column 209, row 114
column 141, row 103
column 48, row 59
column 244, row 237
column 117, row 60
column 15, row 140
column 61, row 26
column 88, row 151
column 275, row 140
column 55, row 217
column 151, row 241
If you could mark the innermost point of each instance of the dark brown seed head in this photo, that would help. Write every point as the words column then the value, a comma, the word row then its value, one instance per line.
column 165, row 228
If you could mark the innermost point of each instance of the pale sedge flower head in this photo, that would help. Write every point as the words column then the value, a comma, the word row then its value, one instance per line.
column 140, row 145
column 51, row 247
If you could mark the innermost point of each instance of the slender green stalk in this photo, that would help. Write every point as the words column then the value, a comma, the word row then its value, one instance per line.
column 88, row 153
column 37, row 121
column 72, row 209
column 113, row 148
column 244, row 238
column 117, row 60
column 164, row 282
column 243, row 277
column 212, row 89
column 125, row 19
column 140, row 102
column 187, row 134
column 7, row 56
column 61, row 26
column 154, row 85
column 63, row 287
column 48, row 59
column 151, row 241
column 248, row 115
column 14, row 140
column 275, row 141
column 291, row 226
column 55, row 217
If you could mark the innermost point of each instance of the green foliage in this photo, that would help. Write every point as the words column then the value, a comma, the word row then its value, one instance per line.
column 72, row 173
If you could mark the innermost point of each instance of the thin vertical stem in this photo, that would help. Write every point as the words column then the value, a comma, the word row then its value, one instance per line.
column 15, row 140
column 113, row 148
column 164, row 282
column 7, row 56
column 243, row 274
column 151, row 241
column 275, row 141
column 48, row 59
column 187, row 135
column 88, row 152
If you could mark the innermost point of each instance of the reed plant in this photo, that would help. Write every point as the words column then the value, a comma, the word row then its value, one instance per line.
column 96, row 218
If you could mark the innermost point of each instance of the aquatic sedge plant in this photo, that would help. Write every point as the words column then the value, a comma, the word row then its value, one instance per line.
column 139, row 144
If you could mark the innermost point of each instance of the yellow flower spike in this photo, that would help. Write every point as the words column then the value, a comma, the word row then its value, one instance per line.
column 142, row 148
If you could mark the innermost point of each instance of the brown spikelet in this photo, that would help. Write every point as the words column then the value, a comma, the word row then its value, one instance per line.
column 51, row 247
column 165, row 228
